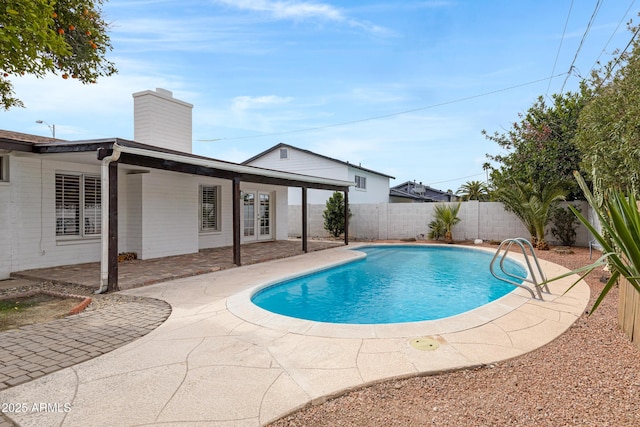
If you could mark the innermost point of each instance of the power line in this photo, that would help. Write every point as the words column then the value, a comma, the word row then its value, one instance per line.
column 564, row 31
column 387, row 115
column 618, row 59
column 584, row 36
column 455, row 179
column 613, row 34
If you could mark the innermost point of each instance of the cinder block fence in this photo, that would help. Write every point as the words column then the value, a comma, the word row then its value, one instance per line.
column 381, row 221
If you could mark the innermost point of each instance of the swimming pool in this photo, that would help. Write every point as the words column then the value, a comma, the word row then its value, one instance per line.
column 393, row 284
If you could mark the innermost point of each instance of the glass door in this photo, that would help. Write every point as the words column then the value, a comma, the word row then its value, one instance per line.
column 256, row 216
column 248, row 216
column 264, row 216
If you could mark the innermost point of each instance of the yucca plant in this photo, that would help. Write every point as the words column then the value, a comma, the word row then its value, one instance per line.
column 620, row 221
column 448, row 216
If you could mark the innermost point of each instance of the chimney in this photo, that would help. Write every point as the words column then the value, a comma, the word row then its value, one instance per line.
column 161, row 120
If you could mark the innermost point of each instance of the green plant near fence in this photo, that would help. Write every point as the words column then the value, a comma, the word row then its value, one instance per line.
column 620, row 238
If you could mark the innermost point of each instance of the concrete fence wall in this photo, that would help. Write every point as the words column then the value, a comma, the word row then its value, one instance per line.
column 479, row 220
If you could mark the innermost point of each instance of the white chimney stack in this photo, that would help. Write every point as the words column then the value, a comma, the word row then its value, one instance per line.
column 161, row 120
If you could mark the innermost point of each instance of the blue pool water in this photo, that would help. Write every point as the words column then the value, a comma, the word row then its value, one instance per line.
column 393, row 284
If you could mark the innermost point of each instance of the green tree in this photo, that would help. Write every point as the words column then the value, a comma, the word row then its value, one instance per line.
column 66, row 37
column 446, row 216
column 533, row 205
column 608, row 133
column 473, row 190
column 334, row 214
column 540, row 146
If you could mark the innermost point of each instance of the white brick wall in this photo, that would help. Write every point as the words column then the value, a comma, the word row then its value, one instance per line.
column 161, row 120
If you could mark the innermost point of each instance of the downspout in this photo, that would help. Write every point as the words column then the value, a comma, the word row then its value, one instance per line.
column 104, row 234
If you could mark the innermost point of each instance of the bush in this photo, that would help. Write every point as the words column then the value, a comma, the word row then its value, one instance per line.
column 334, row 214
column 564, row 226
column 436, row 229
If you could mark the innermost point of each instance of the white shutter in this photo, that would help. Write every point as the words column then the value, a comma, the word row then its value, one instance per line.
column 208, row 208
column 92, row 212
column 67, row 205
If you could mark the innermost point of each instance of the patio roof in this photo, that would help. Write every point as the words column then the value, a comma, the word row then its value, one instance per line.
column 113, row 151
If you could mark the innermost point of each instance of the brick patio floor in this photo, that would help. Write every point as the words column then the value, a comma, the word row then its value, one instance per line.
column 136, row 273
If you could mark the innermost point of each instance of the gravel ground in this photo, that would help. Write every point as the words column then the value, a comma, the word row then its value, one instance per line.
column 12, row 287
column 589, row 376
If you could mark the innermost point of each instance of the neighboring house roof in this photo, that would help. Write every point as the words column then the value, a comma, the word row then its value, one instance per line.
column 165, row 159
column 281, row 145
column 420, row 192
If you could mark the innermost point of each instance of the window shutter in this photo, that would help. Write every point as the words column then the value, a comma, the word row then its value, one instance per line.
column 92, row 205
column 67, row 205
column 209, row 208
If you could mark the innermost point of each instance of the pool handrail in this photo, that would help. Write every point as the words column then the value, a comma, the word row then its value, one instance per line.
column 521, row 242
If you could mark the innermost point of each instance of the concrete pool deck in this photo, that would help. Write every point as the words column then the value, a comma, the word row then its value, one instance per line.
column 218, row 360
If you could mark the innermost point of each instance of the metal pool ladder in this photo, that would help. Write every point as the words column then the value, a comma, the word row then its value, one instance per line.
column 537, row 282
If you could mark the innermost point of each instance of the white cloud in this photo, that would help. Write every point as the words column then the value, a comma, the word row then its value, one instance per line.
column 243, row 103
column 288, row 9
column 303, row 10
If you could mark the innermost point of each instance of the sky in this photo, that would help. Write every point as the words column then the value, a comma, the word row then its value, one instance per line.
column 402, row 88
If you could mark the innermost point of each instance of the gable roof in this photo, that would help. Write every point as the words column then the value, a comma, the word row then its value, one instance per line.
column 282, row 145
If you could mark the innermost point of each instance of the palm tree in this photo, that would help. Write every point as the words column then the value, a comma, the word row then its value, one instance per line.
column 473, row 190
column 533, row 205
column 447, row 215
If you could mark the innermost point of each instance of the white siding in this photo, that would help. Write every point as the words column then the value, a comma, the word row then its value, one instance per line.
column 308, row 164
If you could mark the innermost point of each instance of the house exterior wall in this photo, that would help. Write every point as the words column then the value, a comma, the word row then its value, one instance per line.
column 309, row 164
column 486, row 220
column 28, row 217
column 158, row 214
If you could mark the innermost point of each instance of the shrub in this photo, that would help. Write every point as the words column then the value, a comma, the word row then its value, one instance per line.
column 436, row 229
column 564, row 225
column 334, row 214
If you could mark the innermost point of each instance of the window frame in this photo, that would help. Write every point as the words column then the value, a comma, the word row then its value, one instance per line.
column 86, row 181
column 201, row 193
column 4, row 168
column 359, row 181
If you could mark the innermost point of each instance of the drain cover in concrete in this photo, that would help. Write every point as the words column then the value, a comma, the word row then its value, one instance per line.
column 424, row 344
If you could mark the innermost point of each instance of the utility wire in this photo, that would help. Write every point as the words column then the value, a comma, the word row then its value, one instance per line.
column 584, row 36
column 387, row 115
column 455, row 179
column 564, row 31
column 614, row 33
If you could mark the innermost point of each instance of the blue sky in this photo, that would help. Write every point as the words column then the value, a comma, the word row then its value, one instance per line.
column 261, row 72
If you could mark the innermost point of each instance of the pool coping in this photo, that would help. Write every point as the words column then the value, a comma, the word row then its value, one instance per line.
column 241, row 305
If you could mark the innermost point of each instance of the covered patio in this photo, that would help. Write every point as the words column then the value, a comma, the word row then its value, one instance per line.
column 136, row 273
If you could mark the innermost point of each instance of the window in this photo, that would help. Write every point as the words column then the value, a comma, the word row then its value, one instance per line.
column 209, row 208
column 284, row 153
column 78, row 205
column 4, row 168
column 361, row 182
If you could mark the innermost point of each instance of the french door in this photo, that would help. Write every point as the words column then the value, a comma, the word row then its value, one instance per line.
column 257, row 218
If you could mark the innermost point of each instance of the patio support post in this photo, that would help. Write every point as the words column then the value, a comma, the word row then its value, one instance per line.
column 346, row 216
column 304, row 220
column 236, row 221
column 112, row 280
